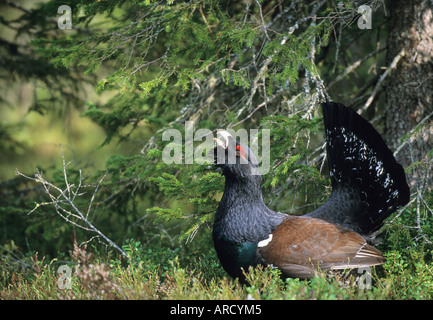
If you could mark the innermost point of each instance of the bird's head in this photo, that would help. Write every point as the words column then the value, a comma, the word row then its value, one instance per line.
column 236, row 159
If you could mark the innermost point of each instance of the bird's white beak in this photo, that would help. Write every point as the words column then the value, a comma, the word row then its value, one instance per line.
column 225, row 142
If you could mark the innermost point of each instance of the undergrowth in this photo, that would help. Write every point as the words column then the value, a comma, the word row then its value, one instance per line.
column 166, row 273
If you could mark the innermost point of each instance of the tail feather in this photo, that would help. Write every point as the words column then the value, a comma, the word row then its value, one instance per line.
column 367, row 182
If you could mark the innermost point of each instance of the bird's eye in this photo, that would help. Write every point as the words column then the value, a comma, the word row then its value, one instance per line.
column 241, row 151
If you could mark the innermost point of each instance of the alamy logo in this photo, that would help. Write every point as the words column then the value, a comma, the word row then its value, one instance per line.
column 181, row 150
column 65, row 20
column 364, row 21
column 64, row 281
column 364, row 280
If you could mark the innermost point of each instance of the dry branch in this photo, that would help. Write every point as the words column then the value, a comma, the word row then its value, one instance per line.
column 64, row 203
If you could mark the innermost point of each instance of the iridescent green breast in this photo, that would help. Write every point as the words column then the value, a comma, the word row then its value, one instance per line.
column 235, row 256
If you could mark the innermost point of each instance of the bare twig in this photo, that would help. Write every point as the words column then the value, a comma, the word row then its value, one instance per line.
column 381, row 79
column 352, row 67
column 64, row 171
column 414, row 130
column 94, row 193
column 263, row 20
column 205, row 20
column 63, row 202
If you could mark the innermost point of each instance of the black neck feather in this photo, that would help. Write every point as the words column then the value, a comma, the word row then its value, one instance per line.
column 242, row 215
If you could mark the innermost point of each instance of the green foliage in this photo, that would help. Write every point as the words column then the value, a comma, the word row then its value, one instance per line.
column 290, row 137
column 289, row 142
column 411, row 274
column 198, row 193
column 162, row 273
column 151, row 260
column 295, row 53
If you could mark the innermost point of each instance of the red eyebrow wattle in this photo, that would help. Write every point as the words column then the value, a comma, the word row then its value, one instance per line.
column 241, row 150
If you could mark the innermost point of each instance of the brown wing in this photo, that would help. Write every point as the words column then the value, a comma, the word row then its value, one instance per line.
column 301, row 245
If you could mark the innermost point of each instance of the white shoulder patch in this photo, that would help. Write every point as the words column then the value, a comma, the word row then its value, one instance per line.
column 265, row 242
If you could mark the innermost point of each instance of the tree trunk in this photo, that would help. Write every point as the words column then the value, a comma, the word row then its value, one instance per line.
column 409, row 88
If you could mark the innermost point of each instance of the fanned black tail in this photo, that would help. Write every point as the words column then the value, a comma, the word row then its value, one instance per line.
column 367, row 182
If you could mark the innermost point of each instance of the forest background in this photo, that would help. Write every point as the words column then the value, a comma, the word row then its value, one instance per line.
column 88, row 209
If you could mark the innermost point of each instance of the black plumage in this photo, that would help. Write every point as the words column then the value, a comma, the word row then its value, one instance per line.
column 367, row 183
